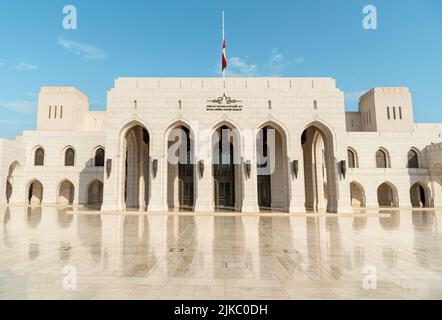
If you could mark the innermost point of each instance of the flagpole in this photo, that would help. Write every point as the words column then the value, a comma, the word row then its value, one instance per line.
column 224, row 71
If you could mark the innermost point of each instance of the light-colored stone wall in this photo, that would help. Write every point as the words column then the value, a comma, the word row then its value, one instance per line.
column 354, row 121
column 383, row 110
column 53, row 173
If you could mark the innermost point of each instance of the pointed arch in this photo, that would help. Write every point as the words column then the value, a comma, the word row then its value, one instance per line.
column 353, row 160
column 413, row 158
column 272, row 166
column 69, row 156
column 319, row 167
column 181, row 169
column 420, row 196
column 99, row 156
column 38, row 156
column 178, row 123
column 357, row 194
column 383, row 158
column 388, row 195
column 95, row 193
column 280, row 127
column 34, row 192
column 323, row 126
column 135, row 169
column 65, row 192
column 124, row 129
column 227, row 165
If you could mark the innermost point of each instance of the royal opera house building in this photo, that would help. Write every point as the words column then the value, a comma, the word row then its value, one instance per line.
column 235, row 144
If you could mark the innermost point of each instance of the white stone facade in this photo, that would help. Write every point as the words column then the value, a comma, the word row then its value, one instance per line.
column 396, row 162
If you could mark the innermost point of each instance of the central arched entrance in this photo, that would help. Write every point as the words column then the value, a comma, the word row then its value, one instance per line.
column 272, row 171
column 319, row 169
column 226, row 168
column 180, row 169
column 136, row 167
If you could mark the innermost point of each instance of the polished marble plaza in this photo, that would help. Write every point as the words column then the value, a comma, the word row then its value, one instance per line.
column 182, row 256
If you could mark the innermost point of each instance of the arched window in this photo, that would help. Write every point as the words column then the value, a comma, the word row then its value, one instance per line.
column 352, row 162
column 381, row 159
column 413, row 161
column 39, row 157
column 69, row 157
column 99, row 157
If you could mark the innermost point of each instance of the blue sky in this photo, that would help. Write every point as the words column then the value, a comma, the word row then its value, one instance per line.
column 295, row 38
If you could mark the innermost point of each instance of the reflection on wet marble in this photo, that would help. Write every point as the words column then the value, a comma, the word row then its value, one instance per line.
column 218, row 257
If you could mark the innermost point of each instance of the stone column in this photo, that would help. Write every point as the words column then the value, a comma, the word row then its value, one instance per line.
column 204, row 193
column 403, row 190
column 18, row 191
column 371, row 196
column 250, row 189
column 344, row 199
column 50, row 193
column 158, row 185
column 141, row 179
column 249, row 184
column 319, row 169
column 113, row 189
column 76, row 184
column 297, row 184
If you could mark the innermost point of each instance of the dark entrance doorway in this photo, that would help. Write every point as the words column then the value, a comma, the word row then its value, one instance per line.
column 419, row 197
column 185, row 174
column 225, row 192
column 224, row 171
column 180, row 169
column 264, row 179
column 264, row 192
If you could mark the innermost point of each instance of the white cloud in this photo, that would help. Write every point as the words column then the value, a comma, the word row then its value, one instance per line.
column 241, row 68
column 19, row 106
column 278, row 63
column 81, row 49
column 24, row 66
